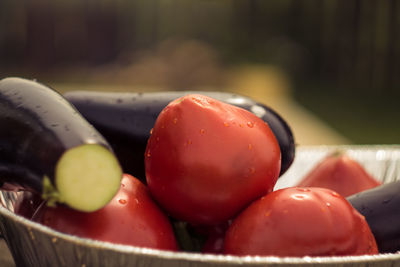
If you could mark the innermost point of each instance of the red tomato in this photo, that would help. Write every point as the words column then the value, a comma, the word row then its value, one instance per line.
column 340, row 173
column 300, row 222
column 27, row 203
column 206, row 160
column 131, row 218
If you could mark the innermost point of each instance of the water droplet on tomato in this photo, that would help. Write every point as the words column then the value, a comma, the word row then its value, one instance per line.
column 299, row 196
column 303, row 189
column 148, row 154
column 328, row 204
column 202, row 131
column 122, row 201
column 250, row 124
column 250, row 146
column 189, row 142
column 335, row 194
column 226, row 124
column 175, row 120
column 151, row 131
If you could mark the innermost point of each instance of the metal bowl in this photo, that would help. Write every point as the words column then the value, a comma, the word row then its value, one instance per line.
column 32, row 244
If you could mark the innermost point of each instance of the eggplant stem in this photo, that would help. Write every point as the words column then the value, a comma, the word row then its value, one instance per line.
column 50, row 193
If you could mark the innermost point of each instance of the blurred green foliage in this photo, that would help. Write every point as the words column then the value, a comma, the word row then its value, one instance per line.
column 349, row 42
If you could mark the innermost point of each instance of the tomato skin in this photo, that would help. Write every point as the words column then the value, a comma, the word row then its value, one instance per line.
column 27, row 203
column 300, row 222
column 206, row 160
column 340, row 173
column 131, row 218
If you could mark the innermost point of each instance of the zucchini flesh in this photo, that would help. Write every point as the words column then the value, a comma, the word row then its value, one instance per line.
column 126, row 119
column 39, row 130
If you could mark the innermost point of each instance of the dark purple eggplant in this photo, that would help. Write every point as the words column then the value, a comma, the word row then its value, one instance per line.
column 125, row 119
column 47, row 147
column 381, row 208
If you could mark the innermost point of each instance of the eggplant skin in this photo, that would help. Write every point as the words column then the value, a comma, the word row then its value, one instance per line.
column 126, row 119
column 381, row 208
column 37, row 125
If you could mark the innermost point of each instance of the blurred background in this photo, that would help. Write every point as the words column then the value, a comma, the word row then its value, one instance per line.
column 331, row 68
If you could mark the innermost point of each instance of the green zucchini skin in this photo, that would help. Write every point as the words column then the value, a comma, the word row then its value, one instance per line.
column 125, row 119
column 37, row 125
column 381, row 208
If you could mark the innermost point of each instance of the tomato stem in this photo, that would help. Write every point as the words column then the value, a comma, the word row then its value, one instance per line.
column 187, row 240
